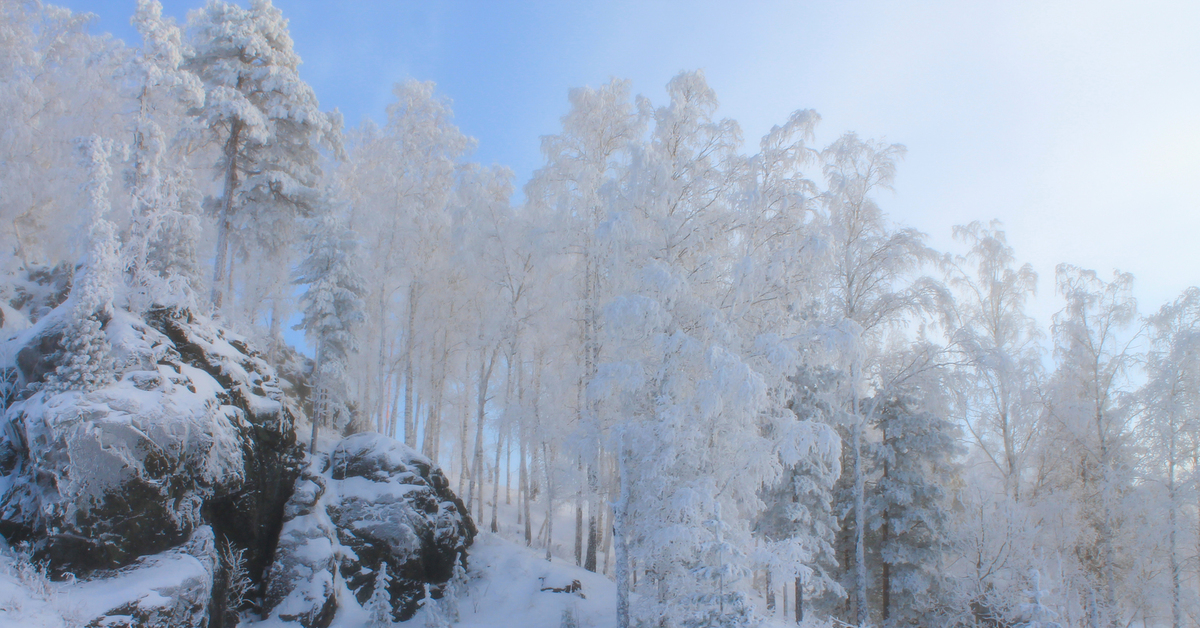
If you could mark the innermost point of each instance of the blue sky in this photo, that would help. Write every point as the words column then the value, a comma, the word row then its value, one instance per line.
column 1076, row 123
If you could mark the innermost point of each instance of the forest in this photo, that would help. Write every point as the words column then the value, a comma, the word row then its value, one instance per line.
column 746, row 390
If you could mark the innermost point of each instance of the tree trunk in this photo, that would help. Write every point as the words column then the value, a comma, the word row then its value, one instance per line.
column 496, row 483
column 770, row 591
column 594, row 509
column 620, row 543
column 1176, row 589
column 466, row 419
column 318, row 389
column 508, row 470
column 485, row 374
column 886, row 584
column 799, row 601
column 225, row 220
column 433, row 426
column 410, row 437
column 579, row 519
column 860, row 562
column 549, row 501
column 523, row 494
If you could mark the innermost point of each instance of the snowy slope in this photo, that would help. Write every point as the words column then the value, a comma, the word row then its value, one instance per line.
column 506, row 582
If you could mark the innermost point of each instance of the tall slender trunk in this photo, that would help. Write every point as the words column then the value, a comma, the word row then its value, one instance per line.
column 496, row 482
column 508, row 469
column 1173, row 518
column 886, row 584
column 318, row 399
column 433, row 426
column 1106, row 531
column 523, row 489
column 799, row 601
column 549, row 501
column 579, row 518
column 770, row 593
column 410, row 436
column 607, row 530
column 621, row 543
column 860, row 561
column 594, row 511
column 225, row 220
column 485, row 374
column 382, row 377
column 465, row 416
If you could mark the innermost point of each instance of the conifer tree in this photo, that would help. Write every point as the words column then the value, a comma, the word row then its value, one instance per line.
column 86, row 363
column 379, row 605
column 332, row 305
column 910, row 506
column 267, row 122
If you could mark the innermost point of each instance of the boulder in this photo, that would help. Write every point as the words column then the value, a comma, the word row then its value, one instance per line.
column 194, row 432
column 371, row 501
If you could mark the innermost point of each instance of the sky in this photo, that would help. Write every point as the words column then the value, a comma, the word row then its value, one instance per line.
column 1077, row 124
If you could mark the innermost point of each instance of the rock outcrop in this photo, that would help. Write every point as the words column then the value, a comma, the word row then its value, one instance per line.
column 176, row 495
column 371, row 502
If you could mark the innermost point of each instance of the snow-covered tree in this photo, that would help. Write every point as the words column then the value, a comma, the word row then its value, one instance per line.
column 999, row 341
column 1170, row 425
column 58, row 82
column 379, row 605
column 435, row 615
column 578, row 187
column 267, row 123
column 86, row 363
column 686, row 402
column 332, row 305
column 911, row 507
column 161, row 246
column 870, row 263
column 1093, row 435
column 800, row 523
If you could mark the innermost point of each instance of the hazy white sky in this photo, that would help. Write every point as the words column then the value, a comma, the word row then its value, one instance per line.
column 1075, row 123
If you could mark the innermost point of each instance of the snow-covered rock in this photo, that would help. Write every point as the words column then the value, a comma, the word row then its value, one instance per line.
column 192, row 433
column 171, row 589
column 371, row 501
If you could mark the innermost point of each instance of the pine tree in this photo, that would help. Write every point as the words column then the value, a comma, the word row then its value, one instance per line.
column 799, row 523
column 910, row 506
column 379, row 605
column 267, row 121
column 435, row 614
column 332, row 305
column 717, row 602
column 86, row 363
column 455, row 590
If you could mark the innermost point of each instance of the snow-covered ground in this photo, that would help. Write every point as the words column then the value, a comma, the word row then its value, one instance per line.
column 508, row 543
column 506, row 589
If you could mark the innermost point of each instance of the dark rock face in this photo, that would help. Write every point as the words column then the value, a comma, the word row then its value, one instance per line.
column 194, row 433
column 373, row 501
